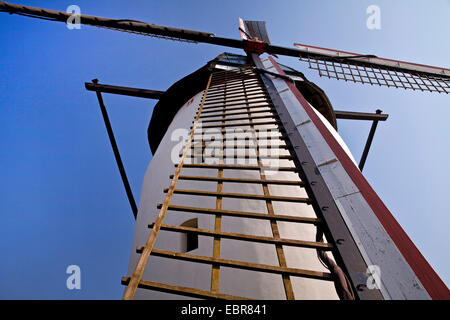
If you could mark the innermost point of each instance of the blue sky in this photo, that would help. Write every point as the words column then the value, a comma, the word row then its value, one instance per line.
column 61, row 198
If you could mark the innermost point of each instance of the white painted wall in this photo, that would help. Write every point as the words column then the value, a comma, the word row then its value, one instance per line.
column 232, row 281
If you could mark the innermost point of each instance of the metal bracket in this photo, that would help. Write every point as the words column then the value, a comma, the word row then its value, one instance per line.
column 112, row 140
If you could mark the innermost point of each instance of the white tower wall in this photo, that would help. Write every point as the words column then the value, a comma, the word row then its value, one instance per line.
column 233, row 281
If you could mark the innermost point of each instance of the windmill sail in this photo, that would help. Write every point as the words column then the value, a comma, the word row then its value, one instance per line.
column 330, row 63
column 369, row 69
column 255, row 30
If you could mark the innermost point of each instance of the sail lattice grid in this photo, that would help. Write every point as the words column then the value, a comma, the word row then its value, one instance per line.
column 366, row 73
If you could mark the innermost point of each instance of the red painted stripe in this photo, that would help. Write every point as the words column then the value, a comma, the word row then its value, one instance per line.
column 435, row 287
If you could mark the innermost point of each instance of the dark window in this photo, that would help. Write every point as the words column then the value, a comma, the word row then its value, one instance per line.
column 190, row 239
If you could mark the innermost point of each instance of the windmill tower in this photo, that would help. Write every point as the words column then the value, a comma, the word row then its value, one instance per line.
column 251, row 192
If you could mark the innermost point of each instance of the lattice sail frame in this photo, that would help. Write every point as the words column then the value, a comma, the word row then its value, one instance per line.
column 368, row 69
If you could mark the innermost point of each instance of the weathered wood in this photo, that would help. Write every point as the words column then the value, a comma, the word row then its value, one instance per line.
column 273, row 122
column 237, row 114
column 268, row 117
column 233, row 83
column 268, row 106
column 215, row 272
column 240, row 156
column 276, row 235
column 185, row 291
column 206, row 138
column 236, row 102
column 311, row 274
column 235, row 97
column 244, row 214
column 240, row 180
column 207, row 144
column 246, row 237
column 238, row 167
column 143, row 259
column 241, row 195
column 231, row 93
column 251, row 84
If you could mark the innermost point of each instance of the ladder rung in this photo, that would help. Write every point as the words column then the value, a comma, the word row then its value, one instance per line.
column 239, row 180
column 235, row 81
column 244, row 106
column 236, row 167
column 246, row 237
column 235, row 91
column 243, row 265
column 238, row 156
column 241, row 196
column 235, row 131
column 251, row 100
column 243, row 93
column 185, row 291
column 237, row 119
column 268, row 106
column 249, row 87
column 243, row 214
column 236, row 84
column 264, row 146
column 233, row 75
column 262, row 123
column 243, row 96
column 206, row 139
column 236, row 113
column 237, row 87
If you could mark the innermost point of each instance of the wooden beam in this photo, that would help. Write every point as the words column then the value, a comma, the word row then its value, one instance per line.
column 136, row 277
column 240, row 156
column 238, row 89
column 238, row 167
column 241, row 196
column 311, row 274
column 230, row 93
column 185, row 291
column 236, row 114
column 239, row 180
column 274, row 122
column 352, row 115
column 213, row 105
column 236, row 97
column 125, row 91
column 246, row 237
column 244, row 214
column 256, row 146
column 242, row 118
column 268, row 106
column 205, row 138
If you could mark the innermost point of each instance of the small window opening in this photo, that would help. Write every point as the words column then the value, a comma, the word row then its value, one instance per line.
column 190, row 240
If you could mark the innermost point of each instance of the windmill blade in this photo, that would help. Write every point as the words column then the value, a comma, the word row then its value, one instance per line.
column 340, row 65
column 255, row 30
column 369, row 69
column 142, row 28
column 125, row 25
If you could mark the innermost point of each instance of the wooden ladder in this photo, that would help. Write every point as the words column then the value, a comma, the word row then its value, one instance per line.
column 229, row 94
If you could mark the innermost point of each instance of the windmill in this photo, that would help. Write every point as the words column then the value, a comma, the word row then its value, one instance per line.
column 321, row 192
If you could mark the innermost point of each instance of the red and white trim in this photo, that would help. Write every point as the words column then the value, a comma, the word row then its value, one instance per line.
column 405, row 273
